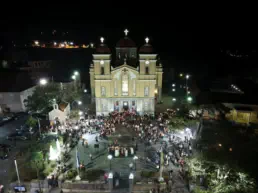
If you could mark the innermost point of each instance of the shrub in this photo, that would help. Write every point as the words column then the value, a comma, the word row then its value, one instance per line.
column 92, row 175
column 147, row 174
column 71, row 174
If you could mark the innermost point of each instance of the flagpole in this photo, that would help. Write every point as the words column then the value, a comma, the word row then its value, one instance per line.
column 77, row 165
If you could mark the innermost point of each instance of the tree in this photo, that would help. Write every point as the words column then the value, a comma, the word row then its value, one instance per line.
column 177, row 123
column 43, row 97
column 31, row 122
column 220, row 178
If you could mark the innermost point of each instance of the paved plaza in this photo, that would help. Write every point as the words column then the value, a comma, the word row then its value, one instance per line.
column 127, row 137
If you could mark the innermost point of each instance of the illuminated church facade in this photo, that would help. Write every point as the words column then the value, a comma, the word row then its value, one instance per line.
column 131, row 81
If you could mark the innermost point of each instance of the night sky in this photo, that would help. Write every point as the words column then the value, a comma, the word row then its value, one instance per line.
column 186, row 38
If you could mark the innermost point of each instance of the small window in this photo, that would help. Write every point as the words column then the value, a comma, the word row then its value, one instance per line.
column 147, row 70
column 146, row 91
column 102, row 70
column 103, row 91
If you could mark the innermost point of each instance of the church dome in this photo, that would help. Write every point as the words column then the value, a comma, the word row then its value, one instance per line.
column 146, row 49
column 103, row 49
column 125, row 43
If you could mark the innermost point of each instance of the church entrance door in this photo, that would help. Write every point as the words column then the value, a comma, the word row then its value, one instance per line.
column 125, row 105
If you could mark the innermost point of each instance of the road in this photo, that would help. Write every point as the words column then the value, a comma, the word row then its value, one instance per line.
column 7, row 166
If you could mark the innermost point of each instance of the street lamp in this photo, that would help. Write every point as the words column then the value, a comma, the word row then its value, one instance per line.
column 186, row 78
column 110, row 158
column 73, row 77
column 134, row 159
column 76, row 73
column 43, row 81
column 173, row 99
column 189, row 99
column 79, row 102
column 85, row 90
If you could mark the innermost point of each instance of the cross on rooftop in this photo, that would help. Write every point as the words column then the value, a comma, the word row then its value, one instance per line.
column 126, row 32
column 147, row 40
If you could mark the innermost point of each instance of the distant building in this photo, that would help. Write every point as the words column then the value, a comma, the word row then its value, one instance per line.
column 224, row 91
column 242, row 113
column 132, row 83
column 60, row 112
column 37, row 69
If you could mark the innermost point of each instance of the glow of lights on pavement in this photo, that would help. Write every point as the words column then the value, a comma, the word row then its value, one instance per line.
column 110, row 157
column 110, row 175
column 52, row 153
column 131, row 176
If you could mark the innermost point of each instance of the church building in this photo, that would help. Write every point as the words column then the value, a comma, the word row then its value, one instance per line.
column 131, row 80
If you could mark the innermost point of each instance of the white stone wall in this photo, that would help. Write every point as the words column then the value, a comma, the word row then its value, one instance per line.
column 11, row 100
column 142, row 105
column 25, row 94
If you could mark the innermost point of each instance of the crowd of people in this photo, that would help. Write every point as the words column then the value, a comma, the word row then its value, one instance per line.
column 150, row 130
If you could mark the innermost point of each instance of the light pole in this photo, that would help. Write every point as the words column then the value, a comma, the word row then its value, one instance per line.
column 36, row 164
column 186, row 85
column 17, row 172
column 76, row 78
column 39, row 127
column 134, row 159
column 110, row 158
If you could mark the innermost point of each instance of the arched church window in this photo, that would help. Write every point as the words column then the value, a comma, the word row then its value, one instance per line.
column 146, row 69
column 102, row 70
column 125, row 84
column 146, row 91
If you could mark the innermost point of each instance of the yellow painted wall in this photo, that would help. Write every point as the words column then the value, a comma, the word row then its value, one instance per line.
column 242, row 117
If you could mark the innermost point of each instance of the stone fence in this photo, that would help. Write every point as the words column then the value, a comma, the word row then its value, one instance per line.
column 66, row 186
